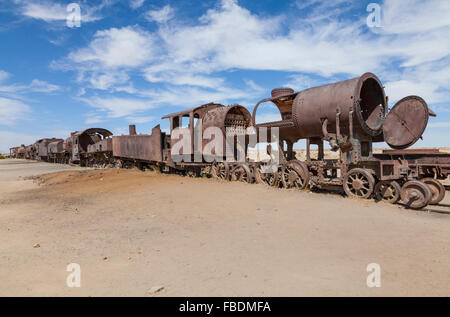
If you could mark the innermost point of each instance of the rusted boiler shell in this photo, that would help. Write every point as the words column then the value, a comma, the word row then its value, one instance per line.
column 364, row 95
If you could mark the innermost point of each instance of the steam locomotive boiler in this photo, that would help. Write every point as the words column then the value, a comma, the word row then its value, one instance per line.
column 351, row 115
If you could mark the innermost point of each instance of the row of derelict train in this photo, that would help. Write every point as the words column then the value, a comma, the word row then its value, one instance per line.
column 349, row 115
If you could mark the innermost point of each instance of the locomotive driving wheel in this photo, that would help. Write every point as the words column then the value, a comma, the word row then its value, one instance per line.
column 264, row 175
column 294, row 174
column 388, row 191
column 416, row 194
column 437, row 190
column 359, row 183
column 242, row 173
column 220, row 170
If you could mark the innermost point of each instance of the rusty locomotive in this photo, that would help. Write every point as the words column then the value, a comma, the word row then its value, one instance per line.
column 350, row 116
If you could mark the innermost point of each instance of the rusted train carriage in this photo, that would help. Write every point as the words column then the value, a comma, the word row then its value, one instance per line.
column 82, row 141
column 156, row 148
column 56, row 151
column 350, row 115
column 138, row 149
column 13, row 152
column 195, row 160
column 41, row 148
column 21, row 152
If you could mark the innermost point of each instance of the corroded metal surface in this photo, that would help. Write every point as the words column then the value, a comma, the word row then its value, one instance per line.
column 145, row 147
column 350, row 115
column 82, row 139
column 406, row 122
column 357, row 104
column 41, row 147
column 231, row 120
column 365, row 95
column 104, row 145
column 56, row 147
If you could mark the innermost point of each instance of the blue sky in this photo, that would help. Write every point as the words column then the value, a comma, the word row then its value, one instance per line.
column 132, row 61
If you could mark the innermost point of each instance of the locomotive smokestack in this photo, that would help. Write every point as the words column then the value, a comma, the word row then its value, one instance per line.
column 132, row 129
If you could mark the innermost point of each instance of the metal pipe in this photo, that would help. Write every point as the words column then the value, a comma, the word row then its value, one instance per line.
column 132, row 129
column 338, row 128
column 350, row 126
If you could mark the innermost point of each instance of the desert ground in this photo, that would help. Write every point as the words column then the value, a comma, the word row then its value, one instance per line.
column 139, row 233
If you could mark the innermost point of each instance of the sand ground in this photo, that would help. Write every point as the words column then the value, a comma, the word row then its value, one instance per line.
column 132, row 231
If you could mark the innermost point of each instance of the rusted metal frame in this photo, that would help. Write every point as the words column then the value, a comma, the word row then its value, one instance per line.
column 395, row 170
column 132, row 129
column 191, row 127
column 338, row 127
column 308, row 150
column 350, row 125
column 266, row 100
column 327, row 137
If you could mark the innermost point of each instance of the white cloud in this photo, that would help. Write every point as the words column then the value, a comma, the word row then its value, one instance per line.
column 118, row 107
column 160, row 16
column 108, row 58
column 232, row 37
column 428, row 80
column 321, row 45
column 45, row 11
column 189, row 96
column 141, row 119
column 43, row 86
column 135, row 4
column 51, row 11
column 106, row 80
column 413, row 16
column 115, row 48
column 11, row 111
column 444, row 124
column 3, row 75
column 300, row 81
column 155, row 74
column 93, row 119
column 14, row 90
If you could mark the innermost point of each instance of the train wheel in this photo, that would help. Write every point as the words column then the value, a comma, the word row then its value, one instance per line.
column 437, row 190
column 359, row 183
column 416, row 194
column 220, row 170
column 206, row 171
column 388, row 191
column 191, row 173
column 295, row 174
column 274, row 179
column 263, row 175
column 242, row 173
column 118, row 163
column 260, row 177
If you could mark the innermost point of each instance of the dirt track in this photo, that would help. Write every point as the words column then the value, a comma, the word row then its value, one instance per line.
column 131, row 231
